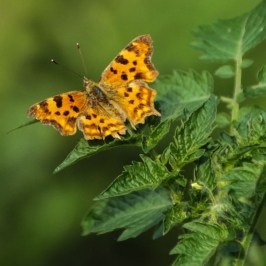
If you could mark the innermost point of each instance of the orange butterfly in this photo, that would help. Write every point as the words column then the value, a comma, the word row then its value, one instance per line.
column 102, row 108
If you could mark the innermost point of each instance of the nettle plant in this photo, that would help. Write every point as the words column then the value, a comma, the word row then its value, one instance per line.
column 219, row 207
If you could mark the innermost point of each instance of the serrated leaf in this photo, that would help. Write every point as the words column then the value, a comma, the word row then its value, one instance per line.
column 222, row 120
column 197, row 247
column 242, row 181
column 205, row 173
column 136, row 212
column 186, row 89
column 174, row 216
column 246, row 63
column 225, row 72
column 32, row 121
column 260, row 88
column 150, row 141
column 85, row 149
column 137, row 176
column 229, row 39
column 225, row 137
column 194, row 133
column 252, row 126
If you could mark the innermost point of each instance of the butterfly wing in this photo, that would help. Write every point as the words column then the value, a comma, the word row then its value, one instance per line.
column 132, row 63
column 136, row 99
column 100, row 121
column 61, row 111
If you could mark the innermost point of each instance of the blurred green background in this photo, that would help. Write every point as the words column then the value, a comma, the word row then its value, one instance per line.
column 41, row 212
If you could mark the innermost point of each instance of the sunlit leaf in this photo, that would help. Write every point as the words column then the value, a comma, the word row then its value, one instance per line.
column 246, row 63
column 229, row 39
column 260, row 88
column 194, row 133
column 186, row 89
column 225, row 72
column 222, row 120
column 137, row 176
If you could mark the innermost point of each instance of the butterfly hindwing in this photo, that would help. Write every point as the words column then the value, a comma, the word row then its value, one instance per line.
column 97, row 124
column 136, row 99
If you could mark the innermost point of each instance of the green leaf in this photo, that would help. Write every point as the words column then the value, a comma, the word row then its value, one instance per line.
column 262, row 75
column 225, row 137
column 225, row 72
column 260, row 88
column 136, row 212
column 137, row 176
column 197, row 248
column 188, row 90
column 205, row 173
column 85, row 149
column 229, row 39
column 246, row 63
column 32, row 121
column 222, row 120
column 174, row 216
column 194, row 134
column 150, row 141
column 165, row 156
column 242, row 181
column 252, row 126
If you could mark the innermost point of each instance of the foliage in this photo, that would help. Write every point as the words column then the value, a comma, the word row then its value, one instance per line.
column 220, row 205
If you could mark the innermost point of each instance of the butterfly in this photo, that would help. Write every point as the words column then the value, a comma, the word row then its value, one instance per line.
column 102, row 109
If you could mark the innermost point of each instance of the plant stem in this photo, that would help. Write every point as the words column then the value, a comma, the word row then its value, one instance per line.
column 237, row 90
column 247, row 240
column 226, row 99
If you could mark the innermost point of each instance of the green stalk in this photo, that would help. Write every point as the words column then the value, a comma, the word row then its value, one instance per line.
column 248, row 236
column 237, row 90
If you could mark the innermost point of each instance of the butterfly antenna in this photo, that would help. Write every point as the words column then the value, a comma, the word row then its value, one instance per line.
column 82, row 59
column 52, row 60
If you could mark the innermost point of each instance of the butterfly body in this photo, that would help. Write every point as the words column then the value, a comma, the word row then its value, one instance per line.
column 102, row 108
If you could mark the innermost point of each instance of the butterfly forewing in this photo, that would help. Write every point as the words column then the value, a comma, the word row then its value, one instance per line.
column 132, row 63
column 61, row 111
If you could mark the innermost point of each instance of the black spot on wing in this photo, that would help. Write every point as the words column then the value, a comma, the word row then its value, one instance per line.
column 57, row 113
column 43, row 104
column 132, row 69
column 124, row 76
column 130, row 47
column 139, row 75
column 59, row 101
column 94, row 115
column 75, row 109
column 66, row 113
column 113, row 70
column 135, row 63
column 71, row 120
column 131, row 101
column 104, row 129
column 88, row 117
column 101, row 120
column 129, row 89
column 126, row 94
column 70, row 98
column 120, row 59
